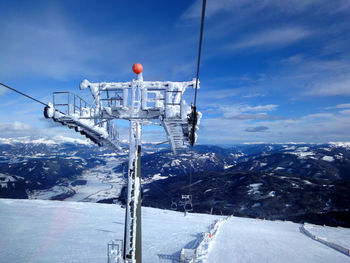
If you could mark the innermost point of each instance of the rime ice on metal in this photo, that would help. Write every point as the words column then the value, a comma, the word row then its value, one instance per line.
column 140, row 102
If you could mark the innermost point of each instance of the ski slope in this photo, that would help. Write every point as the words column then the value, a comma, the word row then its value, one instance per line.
column 341, row 236
column 253, row 240
column 38, row 231
column 52, row 231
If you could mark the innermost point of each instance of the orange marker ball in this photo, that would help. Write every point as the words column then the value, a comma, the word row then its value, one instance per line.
column 137, row 68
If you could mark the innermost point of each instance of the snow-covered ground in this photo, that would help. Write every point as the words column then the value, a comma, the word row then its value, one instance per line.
column 50, row 193
column 341, row 236
column 251, row 240
column 37, row 231
column 52, row 231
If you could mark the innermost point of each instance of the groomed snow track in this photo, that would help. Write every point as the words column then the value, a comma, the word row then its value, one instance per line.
column 323, row 240
column 246, row 240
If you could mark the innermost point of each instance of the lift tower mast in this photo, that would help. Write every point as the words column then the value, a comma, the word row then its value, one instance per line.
column 141, row 103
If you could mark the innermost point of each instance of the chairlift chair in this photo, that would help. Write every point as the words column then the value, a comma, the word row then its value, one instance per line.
column 188, row 207
column 173, row 205
column 187, row 203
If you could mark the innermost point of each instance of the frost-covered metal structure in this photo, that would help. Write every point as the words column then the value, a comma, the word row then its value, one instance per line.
column 140, row 102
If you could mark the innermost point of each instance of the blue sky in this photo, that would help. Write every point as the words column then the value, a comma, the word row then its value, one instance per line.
column 271, row 71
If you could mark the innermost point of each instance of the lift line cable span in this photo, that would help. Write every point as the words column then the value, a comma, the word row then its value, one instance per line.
column 194, row 109
column 199, row 51
column 8, row 87
column 25, row 95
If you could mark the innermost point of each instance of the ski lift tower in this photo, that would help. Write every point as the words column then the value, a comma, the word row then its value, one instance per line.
column 141, row 103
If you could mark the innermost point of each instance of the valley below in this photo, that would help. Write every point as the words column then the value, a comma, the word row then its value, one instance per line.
column 296, row 182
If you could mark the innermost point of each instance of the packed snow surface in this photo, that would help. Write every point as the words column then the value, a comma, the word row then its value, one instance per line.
column 340, row 237
column 52, row 231
column 250, row 240
column 50, row 193
column 38, row 231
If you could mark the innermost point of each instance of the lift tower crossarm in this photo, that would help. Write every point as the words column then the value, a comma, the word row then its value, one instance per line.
column 139, row 102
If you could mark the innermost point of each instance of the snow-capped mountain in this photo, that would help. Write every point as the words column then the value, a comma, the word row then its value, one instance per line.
column 300, row 182
column 49, row 168
column 305, row 182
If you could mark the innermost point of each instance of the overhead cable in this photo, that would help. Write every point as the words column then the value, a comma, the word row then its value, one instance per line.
column 30, row 97
column 194, row 108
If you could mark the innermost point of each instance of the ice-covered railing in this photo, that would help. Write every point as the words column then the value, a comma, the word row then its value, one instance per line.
column 69, row 103
column 142, row 99
column 146, row 100
column 72, row 111
column 115, row 251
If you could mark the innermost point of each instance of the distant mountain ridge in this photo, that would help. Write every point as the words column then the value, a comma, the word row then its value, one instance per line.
column 44, row 163
column 58, row 139
column 276, row 181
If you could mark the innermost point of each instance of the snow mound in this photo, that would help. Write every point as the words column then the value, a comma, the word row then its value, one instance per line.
column 328, row 158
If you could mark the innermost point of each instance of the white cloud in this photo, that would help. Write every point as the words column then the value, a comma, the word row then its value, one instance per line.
column 320, row 128
column 313, row 76
column 271, row 38
column 339, row 106
column 214, row 93
column 293, row 60
column 21, row 129
column 19, row 126
column 235, row 7
column 318, row 116
column 250, row 116
column 253, row 95
column 16, row 128
column 344, row 112
column 343, row 106
column 248, row 112
column 269, row 107
column 247, row 108
column 332, row 87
